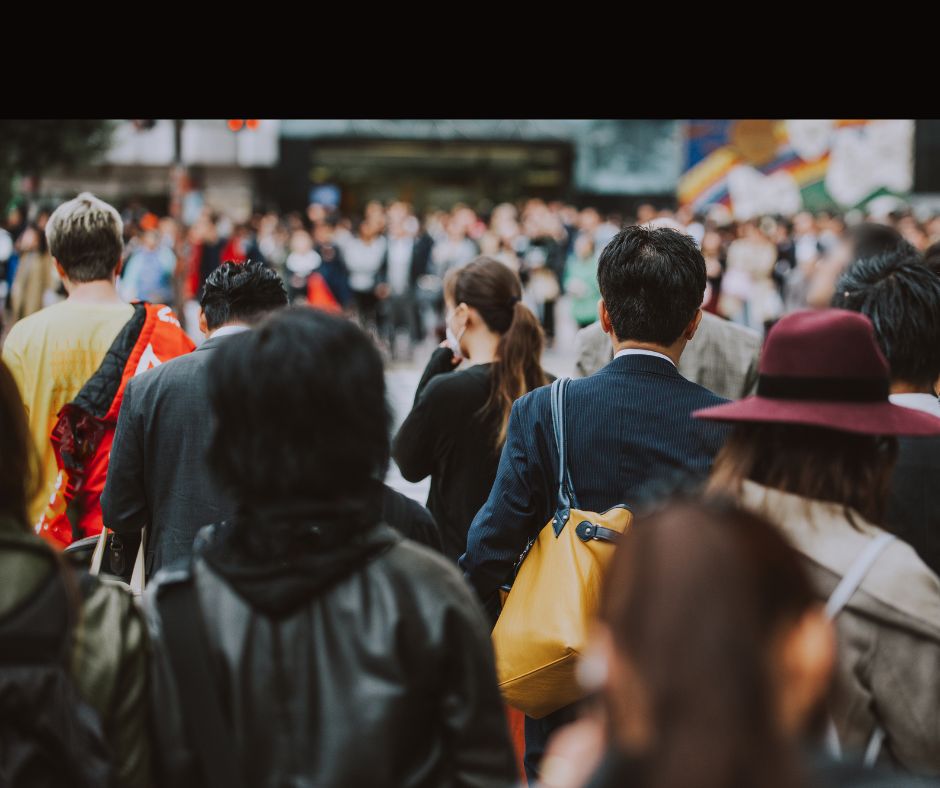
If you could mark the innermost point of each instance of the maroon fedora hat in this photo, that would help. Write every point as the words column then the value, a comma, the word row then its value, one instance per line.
column 825, row 369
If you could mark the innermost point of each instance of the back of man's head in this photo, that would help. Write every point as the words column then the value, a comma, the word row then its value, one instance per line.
column 241, row 293
column 901, row 296
column 86, row 237
column 652, row 282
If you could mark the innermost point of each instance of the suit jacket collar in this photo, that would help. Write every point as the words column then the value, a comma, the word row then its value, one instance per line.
column 213, row 342
column 636, row 362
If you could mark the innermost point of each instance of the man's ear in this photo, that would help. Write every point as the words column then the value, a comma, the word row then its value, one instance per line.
column 203, row 324
column 119, row 267
column 605, row 318
column 693, row 325
column 60, row 270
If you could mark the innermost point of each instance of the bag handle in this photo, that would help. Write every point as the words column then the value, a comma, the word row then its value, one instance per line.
column 566, row 497
column 138, row 578
column 840, row 597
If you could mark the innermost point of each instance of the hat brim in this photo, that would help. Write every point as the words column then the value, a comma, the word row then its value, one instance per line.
column 867, row 418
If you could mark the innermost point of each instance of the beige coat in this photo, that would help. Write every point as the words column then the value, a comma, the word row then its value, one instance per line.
column 722, row 356
column 888, row 668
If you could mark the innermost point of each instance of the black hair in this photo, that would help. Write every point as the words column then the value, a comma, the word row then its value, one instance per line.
column 901, row 297
column 300, row 410
column 241, row 291
column 652, row 282
column 932, row 257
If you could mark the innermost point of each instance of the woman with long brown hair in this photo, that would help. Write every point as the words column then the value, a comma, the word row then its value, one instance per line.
column 813, row 451
column 457, row 425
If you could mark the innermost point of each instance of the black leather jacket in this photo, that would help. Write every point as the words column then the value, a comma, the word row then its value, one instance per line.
column 383, row 678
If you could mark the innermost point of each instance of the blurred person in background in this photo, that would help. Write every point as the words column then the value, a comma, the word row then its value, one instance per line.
column 457, row 425
column 364, row 254
column 456, row 248
column 206, row 251
column 273, row 241
column 148, row 274
column 332, row 262
column 543, row 262
column 813, row 451
column 393, row 643
column 901, row 296
column 407, row 258
column 581, row 281
column 82, row 720
column 714, row 253
column 748, row 293
column 302, row 261
column 806, row 253
column 36, row 284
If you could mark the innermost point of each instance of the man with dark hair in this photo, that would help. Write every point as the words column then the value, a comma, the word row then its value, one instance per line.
column 157, row 475
column 629, row 427
column 901, row 297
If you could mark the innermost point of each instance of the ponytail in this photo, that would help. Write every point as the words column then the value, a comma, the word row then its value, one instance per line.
column 517, row 368
column 494, row 290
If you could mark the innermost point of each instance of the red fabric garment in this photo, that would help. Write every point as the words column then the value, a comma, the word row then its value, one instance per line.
column 84, row 431
column 195, row 265
column 234, row 250
column 320, row 296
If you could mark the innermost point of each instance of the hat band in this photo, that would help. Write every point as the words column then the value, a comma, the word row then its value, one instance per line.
column 825, row 389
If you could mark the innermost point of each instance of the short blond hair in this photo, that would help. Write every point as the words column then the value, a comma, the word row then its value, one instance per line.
column 86, row 237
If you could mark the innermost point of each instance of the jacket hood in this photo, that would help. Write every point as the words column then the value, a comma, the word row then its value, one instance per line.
column 278, row 558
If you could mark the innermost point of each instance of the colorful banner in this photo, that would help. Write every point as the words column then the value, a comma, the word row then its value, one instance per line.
column 757, row 167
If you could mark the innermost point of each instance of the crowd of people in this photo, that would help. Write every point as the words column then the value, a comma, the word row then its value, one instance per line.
column 724, row 546
column 386, row 265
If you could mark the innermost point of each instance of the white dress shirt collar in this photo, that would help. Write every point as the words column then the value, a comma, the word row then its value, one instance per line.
column 923, row 402
column 224, row 331
column 635, row 351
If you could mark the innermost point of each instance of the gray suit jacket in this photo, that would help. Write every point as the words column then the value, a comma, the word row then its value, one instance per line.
column 157, row 474
column 722, row 356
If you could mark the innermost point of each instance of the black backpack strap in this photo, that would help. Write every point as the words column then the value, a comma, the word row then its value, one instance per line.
column 188, row 649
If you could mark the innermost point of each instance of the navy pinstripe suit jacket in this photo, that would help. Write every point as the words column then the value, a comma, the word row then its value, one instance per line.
column 630, row 434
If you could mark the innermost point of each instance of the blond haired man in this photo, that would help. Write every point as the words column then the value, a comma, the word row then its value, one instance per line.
column 55, row 352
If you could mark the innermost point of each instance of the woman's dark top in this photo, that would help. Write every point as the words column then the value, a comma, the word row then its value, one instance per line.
column 445, row 437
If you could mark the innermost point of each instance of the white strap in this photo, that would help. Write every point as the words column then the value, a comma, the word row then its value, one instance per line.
column 839, row 599
column 137, row 576
column 856, row 574
column 98, row 555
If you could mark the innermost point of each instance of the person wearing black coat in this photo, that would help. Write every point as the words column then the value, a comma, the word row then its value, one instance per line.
column 336, row 652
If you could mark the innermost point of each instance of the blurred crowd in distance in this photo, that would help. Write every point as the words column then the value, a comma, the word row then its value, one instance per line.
column 386, row 266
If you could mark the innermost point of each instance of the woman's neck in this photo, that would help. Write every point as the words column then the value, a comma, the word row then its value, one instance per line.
column 481, row 349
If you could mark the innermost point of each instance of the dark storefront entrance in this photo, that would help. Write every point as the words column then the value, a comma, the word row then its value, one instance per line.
column 427, row 173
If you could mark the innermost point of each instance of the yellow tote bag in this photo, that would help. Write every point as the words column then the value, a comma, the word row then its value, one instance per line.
column 543, row 626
